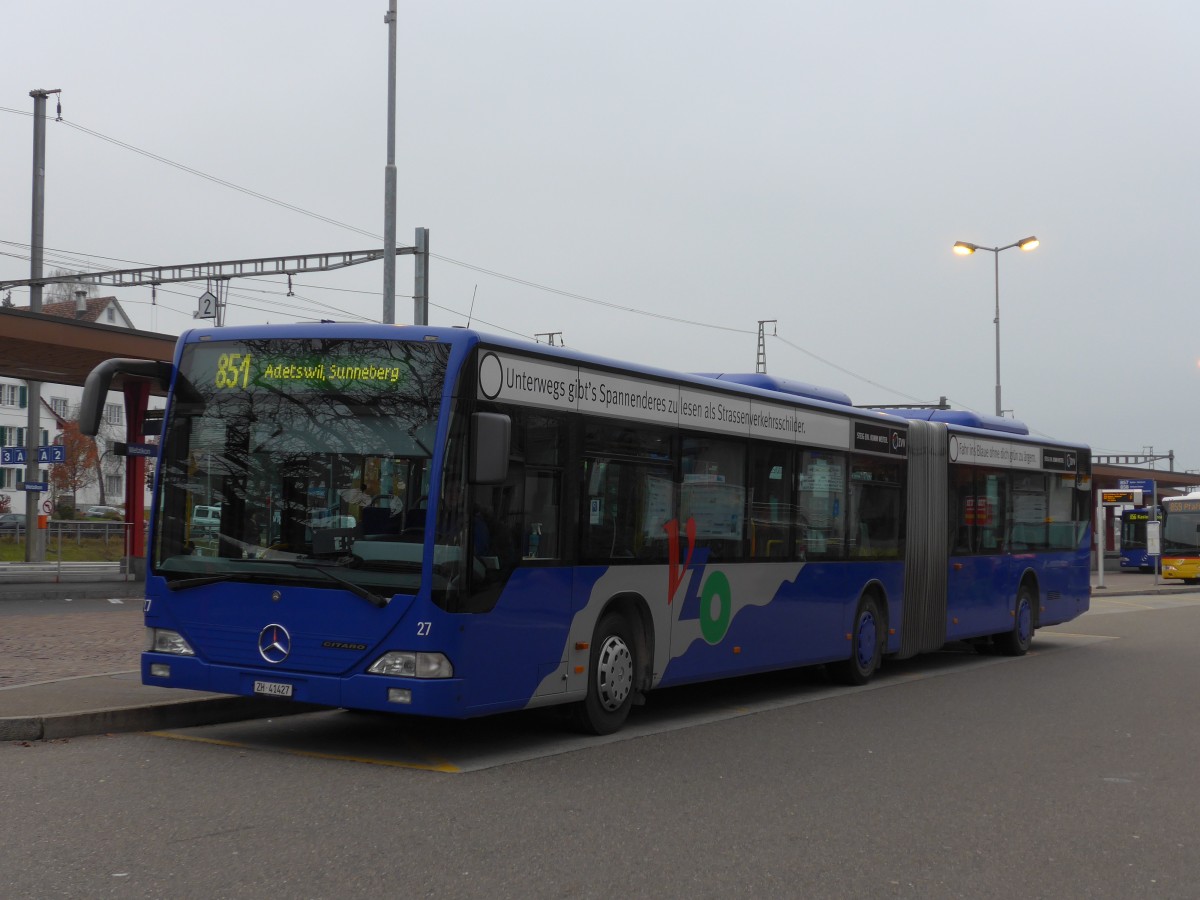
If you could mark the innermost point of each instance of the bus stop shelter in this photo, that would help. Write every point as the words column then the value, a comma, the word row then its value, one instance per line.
column 37, row 347
column 1112, row 477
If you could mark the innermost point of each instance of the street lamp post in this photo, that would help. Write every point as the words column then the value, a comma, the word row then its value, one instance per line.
column 963, row 248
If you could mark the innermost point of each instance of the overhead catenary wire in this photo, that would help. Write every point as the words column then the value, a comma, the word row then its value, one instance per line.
column 72, row 259
column 57, row 258
column 525, row 282
column 221, row 181
column 366, row 232
column 572, row 295
column 136, row 262
column 845, row 371
column 69, row 261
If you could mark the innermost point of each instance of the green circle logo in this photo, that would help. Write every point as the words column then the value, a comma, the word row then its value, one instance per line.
column 716, row 607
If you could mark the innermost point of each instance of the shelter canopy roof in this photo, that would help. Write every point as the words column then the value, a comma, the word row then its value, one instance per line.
column 49, row 348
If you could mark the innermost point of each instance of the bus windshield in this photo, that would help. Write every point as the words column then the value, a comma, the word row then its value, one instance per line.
column 1133, row 529
column 280, row 453
column 1181, row 526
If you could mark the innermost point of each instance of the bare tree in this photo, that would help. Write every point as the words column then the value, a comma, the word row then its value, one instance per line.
column 62, row 291
column 107, row 462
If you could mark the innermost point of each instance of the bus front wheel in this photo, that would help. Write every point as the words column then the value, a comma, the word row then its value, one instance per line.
column 866, row 645
column 1017, row 641
column 611, row 673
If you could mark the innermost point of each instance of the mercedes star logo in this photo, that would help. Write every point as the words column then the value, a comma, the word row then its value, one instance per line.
column 274, row 643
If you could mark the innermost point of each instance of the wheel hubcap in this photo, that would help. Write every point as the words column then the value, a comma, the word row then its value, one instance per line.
column 866, row 641
column 614, row 673
column 1024, row 621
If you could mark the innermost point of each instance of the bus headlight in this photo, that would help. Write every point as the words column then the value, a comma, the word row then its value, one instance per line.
column 412, row 665
column 162, row 640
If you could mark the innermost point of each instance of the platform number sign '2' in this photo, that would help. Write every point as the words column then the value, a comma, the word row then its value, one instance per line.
column 206, row 306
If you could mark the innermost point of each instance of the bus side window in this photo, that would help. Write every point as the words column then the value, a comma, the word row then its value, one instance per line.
column 626, row 506
column 772, row 513
column 821, row 505
column 993, row 513
column 1030, row 512
column 542, row 440
column 626, row 492
column 713, row 493
column 876, row 501
column 1062, row 533
column 962, row 511
column 543, row 505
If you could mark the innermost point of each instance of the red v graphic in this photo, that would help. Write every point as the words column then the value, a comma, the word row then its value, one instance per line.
column 675, row 572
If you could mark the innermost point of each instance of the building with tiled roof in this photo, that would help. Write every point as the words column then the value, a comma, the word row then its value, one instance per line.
column 100, row 310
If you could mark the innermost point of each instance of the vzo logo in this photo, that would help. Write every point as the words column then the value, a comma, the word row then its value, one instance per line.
column 708, row 599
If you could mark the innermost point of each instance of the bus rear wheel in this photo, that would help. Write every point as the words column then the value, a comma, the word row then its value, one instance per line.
column 866, row 646
column 1017, row 641
column 611, row 673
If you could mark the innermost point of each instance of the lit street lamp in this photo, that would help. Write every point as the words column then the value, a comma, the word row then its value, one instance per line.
column 962, row 248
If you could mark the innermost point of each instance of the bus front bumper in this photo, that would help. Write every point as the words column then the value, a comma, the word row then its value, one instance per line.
column 414, row 696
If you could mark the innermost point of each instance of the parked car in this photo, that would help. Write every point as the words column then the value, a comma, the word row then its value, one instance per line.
column 104, row 512
column 12, row 521
column 206, row 520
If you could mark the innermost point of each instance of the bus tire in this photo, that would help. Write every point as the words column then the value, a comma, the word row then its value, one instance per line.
column 611, row 672
column 1017, row 641
column 866, row 645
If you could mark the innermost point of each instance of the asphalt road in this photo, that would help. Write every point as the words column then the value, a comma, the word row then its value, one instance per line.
column 1069, row 773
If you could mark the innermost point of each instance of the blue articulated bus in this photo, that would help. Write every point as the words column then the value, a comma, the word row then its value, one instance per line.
column 442, row 522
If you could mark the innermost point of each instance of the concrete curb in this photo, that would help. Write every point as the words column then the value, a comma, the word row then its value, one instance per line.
column 83, row 594
column 1161, row 590
column 82, row 588
column 169, row 714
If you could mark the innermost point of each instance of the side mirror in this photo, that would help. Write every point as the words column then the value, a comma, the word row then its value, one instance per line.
column 491, row 436
column 95, row 388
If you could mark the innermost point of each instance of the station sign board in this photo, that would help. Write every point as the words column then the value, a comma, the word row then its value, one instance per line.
column 1121, row 497
column 1145, row 485
column 15, row 456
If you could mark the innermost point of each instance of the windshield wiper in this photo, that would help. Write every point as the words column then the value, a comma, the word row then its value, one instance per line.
column 182, row 584
column 324, row 568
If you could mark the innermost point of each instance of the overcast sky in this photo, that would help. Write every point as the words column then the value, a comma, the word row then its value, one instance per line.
column 651, row 179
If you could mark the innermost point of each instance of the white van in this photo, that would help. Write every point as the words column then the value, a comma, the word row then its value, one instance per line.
column 206, row 520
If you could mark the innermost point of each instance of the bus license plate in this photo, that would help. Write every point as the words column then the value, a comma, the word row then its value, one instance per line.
column 272, row 689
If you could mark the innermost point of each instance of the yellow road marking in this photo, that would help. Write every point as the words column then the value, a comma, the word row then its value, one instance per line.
column 440, row 766
column 1113, row 601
